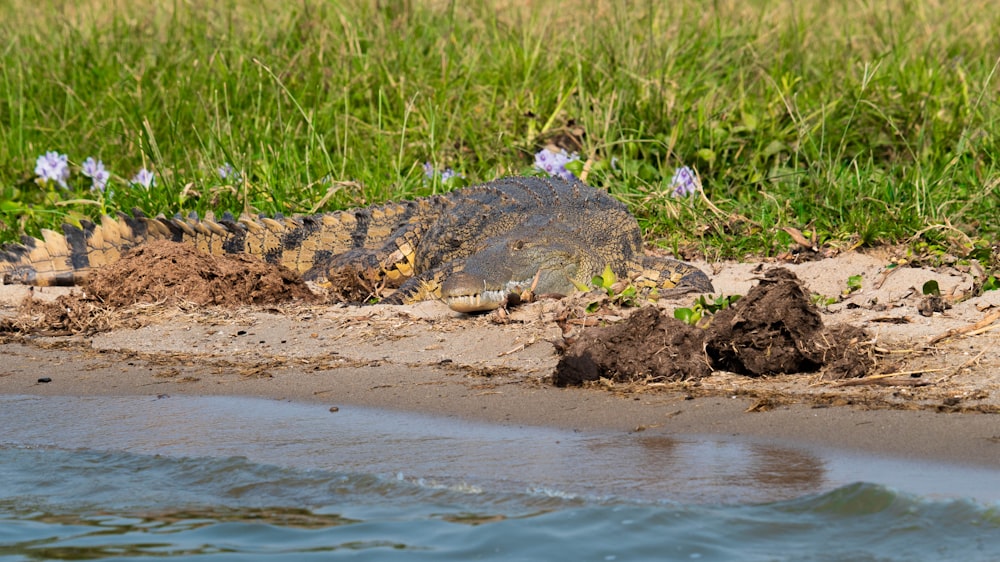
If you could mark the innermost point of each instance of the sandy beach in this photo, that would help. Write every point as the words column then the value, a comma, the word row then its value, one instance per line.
column 936, row 396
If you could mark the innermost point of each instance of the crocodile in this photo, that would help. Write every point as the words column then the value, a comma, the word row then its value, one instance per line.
column 474, row 248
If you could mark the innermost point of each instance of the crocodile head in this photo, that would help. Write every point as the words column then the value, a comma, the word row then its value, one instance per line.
column 516, row 265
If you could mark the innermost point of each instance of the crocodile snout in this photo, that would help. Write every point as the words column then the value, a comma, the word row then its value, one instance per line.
column 464, row 292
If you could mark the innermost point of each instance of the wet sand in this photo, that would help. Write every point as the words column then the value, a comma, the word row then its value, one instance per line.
column 953, row 437
column 469, row 455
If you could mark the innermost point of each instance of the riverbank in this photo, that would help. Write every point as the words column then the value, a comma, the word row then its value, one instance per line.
column 935, row 397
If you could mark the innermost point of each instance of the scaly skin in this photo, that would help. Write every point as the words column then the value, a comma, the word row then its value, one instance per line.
column 472, row 247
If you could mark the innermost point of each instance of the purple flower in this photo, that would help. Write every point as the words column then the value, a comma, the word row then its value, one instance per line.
column 144, row 178
column 52, row 166
column 228, row 172
column 554, row 163
column 94, row 169
column 446, row 174
column 684, row 182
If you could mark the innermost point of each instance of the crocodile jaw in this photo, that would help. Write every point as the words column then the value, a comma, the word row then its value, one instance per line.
column 483, row 301
column 464, row 293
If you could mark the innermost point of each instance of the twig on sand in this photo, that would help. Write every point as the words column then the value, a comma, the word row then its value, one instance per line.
column 959, row 369
column 885, row 275
column 984, row 330
column 513, row 350
column 972, row 329
column 887, row 380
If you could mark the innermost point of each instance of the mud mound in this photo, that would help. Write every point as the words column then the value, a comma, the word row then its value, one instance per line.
column 66, row 315
column 167, row 271
column 158, row 272
column 350, row 283
column 773, row 329
column 648, row 345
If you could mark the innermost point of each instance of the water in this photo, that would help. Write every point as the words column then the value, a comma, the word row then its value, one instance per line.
column 242, row 479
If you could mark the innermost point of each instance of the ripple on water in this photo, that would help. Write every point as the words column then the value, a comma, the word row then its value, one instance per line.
column 241, row 479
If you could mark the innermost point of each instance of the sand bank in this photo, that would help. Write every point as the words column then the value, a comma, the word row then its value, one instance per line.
column 935, row 402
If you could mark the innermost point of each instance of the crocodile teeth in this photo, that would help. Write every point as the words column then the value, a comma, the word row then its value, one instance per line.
column 479, row 302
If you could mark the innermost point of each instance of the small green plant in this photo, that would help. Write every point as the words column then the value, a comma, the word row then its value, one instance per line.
column 703, row 307
column 822, row 300
column 989, row 259
column 853, row 284
column 622, row 294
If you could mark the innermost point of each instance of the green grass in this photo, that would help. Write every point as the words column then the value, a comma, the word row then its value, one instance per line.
column 866, row 122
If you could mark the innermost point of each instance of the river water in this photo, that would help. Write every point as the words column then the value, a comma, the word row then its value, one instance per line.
column 216, row 478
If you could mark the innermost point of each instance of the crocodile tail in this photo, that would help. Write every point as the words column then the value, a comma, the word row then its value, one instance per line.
column 303, row 244
column 668, row 276
column 67, row 258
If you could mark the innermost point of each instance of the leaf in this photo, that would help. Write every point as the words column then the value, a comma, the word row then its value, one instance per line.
column 575, row 167
column 798, row 237
column 455, row 182
column 821, row 300
column 609, row 276
column 647, row 172
column 602, row 165
column 706, row 154
column 854, row 283
column 687, row 315
column 774, row 147
column 12, row 207
column 931, row 288
column 982, row 253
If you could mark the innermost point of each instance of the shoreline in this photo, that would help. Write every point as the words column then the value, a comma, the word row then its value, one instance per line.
column 960, row 438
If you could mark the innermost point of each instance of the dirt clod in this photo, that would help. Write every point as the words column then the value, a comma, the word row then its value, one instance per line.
column 66, row 315
column 158, row 272
column 167, row 271
column 774, row 329
column 931, row 304
column 649, row 345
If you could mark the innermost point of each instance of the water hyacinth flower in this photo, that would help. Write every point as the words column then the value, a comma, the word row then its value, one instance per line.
column 446, row 174
column 52, row 166
column 684, row 182
column 554, row 163
column 227, row 172
column 144, row 178
column 94, row 169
